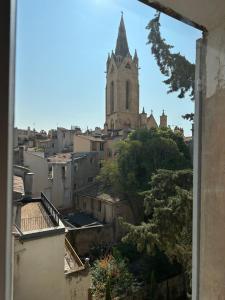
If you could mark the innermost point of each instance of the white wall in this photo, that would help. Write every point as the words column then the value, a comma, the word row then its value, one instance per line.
column 212, row 187
column 61, row 195
column 65, row 139
column 39, row 269
column 39, row 166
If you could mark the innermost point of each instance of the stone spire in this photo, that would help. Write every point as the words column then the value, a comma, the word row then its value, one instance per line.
column 163, row 119
column 122, row 44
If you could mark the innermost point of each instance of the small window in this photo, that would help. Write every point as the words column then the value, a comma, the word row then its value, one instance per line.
column 92, row 205
column 84, row 205
column 50, row 172
column 75, row 167
column 90, row 179
column 101, row 146
column 99, row 206
column 63, row 172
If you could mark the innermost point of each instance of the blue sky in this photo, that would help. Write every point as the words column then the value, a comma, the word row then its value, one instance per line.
column 62, row 47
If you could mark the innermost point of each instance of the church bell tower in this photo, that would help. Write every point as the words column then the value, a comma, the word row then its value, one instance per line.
column 122, row 86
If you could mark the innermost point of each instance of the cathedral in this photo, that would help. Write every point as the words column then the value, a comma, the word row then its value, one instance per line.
column 122, row 89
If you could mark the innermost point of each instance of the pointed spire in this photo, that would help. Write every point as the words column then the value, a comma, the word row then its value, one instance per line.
column 143, row 110
column 163, row 113
column 122, row 44
column 108, row 61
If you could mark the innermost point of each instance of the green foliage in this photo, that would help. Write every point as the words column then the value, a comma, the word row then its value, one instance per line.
column 142, row 265
column 111, row 278
column 168, row 207
column 180, row 72
column 108, row 177
column 140, row 156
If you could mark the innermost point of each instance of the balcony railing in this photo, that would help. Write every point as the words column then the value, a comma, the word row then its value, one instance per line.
column 52, row 211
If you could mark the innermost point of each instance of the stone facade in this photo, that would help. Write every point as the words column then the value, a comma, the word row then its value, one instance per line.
column 122, row 90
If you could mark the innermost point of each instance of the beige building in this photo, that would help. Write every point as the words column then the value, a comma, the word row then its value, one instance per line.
column 87, row 143
column 95, row 219
column 45, row 264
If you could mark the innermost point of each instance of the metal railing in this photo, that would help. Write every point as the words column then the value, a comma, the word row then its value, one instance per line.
column 53, row 213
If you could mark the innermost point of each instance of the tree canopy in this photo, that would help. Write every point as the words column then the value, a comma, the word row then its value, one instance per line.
column 111, row 278
column 180, row 72
column 140, row 156
column 168, row 225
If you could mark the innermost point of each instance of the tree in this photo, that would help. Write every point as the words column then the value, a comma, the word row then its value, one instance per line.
column 180, row 72
column 111, row 278
column 168, row 225
column 139, row 156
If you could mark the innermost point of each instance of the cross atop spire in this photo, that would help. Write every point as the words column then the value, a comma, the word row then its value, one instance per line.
column 122, row 44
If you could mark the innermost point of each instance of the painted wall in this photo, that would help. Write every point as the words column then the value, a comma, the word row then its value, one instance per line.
column 61, row 185
column 39, row 269
column 65, row 139
column 212, row 226
column 77, row 285
column 103, row 210
column 85, row 168
column 39, row 166
column 82, row 239
column 81, row 144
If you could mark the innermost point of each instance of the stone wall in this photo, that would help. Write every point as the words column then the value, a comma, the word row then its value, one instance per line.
column 82, row 239
column 77, row 285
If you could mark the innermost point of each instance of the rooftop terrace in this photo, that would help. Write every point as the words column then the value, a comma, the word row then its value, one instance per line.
column 37, row 214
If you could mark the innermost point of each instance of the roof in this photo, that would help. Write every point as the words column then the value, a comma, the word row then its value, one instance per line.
column 122, row 44
column 34, row 217
column 60, row 157
column 95, row 191
column 18, row 185
column 202, row 14
column 91, row 138
column 45, row 141
column 81, row 219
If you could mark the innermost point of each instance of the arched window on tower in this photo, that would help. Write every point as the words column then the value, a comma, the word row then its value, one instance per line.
column 112, row 97
column 127, row 94
column 112, row 125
